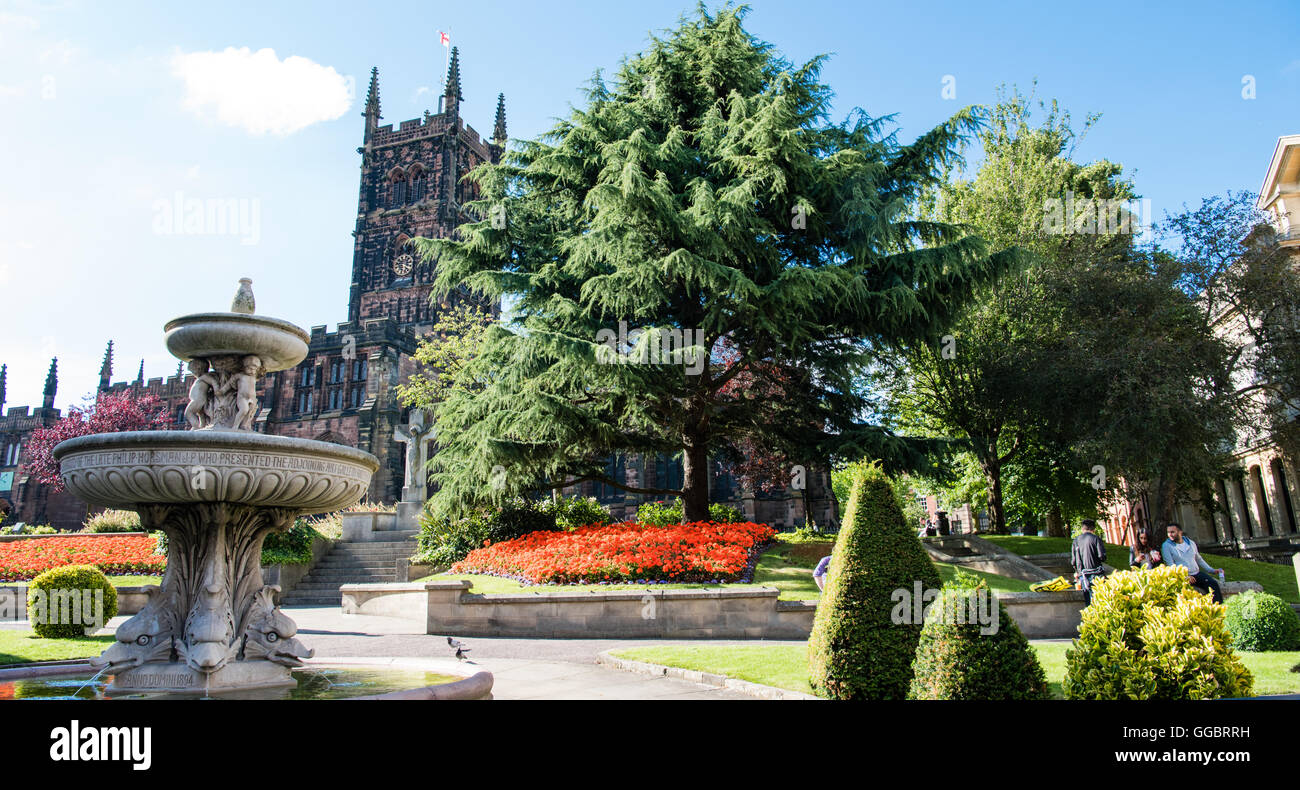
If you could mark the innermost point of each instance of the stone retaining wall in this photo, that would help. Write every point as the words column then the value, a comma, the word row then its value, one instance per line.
column 448, row 607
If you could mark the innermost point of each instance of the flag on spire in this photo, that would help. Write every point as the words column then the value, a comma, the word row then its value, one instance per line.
column 444, row 39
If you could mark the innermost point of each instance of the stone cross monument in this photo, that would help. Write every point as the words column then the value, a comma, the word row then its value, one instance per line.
column 416, row 435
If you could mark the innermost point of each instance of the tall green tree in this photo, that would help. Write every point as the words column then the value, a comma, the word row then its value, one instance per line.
column 1007, row 381
column 1088, row 365
column 703, row 192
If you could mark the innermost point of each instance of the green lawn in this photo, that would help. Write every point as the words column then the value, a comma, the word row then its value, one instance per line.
column 20, row 647
column 787, row 566
column 116, row 581
column 1279, row 580
column 786, row 666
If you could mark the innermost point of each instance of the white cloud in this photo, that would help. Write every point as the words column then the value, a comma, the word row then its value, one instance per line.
column 260, row 93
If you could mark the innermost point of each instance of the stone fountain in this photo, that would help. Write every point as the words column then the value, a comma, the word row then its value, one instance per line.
column 217, row 490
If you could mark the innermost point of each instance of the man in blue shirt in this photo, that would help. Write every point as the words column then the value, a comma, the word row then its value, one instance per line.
column 1179, row 550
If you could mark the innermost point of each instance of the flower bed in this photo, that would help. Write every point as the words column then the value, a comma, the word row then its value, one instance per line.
column 21, row 560
column 627, row 552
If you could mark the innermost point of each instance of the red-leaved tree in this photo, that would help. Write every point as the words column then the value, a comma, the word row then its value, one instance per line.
column 110, row 413
column 760, row 459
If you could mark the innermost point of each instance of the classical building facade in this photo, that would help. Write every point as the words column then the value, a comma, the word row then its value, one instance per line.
column 412, row 185
column 1261, row 497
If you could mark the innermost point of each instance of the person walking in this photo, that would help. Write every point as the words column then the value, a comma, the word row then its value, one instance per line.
column 1181, row 550
column 1142, row 554
column 1088, row 558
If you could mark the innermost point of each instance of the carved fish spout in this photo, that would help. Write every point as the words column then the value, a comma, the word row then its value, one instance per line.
column 148, row 636
column 270, row 633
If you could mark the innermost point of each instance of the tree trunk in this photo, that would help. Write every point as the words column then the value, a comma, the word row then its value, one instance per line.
column 993, row 474
column 1162, row 505
column 1056, row 523
column 695, row 482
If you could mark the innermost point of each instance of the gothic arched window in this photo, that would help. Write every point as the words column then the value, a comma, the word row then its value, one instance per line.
column 419, row 184
column 396, row 188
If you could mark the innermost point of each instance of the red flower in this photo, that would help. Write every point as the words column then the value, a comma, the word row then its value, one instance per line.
column 22, row 560
column 701, row 551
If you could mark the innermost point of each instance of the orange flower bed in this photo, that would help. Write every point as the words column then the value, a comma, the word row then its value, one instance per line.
column 22, row 560
column 628, row 552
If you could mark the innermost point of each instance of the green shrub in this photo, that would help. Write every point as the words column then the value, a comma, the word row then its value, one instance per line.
column 724, row 514
column 159, row 542
column 663, row 514
column 856, row 651
column 291, row 547
column 1149, row 635
column 443, row 541
column 61, row 611
column 956, row 659
column 28, row 529
column 113, row 521
column 574, row 512
column 1260, row 621
column 660, row 514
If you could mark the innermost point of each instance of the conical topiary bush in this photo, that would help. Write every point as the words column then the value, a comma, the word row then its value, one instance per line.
column 963, row 656
column 856, row 650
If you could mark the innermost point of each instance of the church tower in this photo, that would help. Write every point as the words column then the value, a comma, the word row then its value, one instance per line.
column 411, row 185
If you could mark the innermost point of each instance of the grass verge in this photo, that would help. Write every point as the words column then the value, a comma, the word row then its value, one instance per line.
column 786, row 666
column 22, row 647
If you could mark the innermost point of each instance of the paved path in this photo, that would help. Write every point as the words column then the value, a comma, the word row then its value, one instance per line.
column 522, row 668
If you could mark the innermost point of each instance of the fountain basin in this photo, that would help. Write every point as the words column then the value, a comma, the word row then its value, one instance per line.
column 280, row 344
column 188, row 467
column 341, row 679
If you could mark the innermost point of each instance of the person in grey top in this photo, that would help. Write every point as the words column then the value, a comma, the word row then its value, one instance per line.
column 1088, row 557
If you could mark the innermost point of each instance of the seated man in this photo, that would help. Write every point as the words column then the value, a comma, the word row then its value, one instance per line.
column 1179, row 550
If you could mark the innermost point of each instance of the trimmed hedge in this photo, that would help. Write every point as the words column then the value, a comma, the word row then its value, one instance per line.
column 955, row 660
column 856, row 650
column 55, row 621
column 1149, row 635
column 1260, row 621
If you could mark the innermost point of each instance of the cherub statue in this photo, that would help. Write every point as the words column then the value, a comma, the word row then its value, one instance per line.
column 198, row 412
column 245, row 385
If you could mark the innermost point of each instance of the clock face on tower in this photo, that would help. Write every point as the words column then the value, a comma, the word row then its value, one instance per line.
column 403, row 264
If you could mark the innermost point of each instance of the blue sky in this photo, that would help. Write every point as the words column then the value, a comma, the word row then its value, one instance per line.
column 111, row 111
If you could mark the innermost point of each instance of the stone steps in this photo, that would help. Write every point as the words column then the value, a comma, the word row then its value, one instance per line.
column 352, row 562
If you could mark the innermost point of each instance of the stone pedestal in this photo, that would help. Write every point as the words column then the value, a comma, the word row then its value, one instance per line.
column 408, row 515
column 178, row 678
